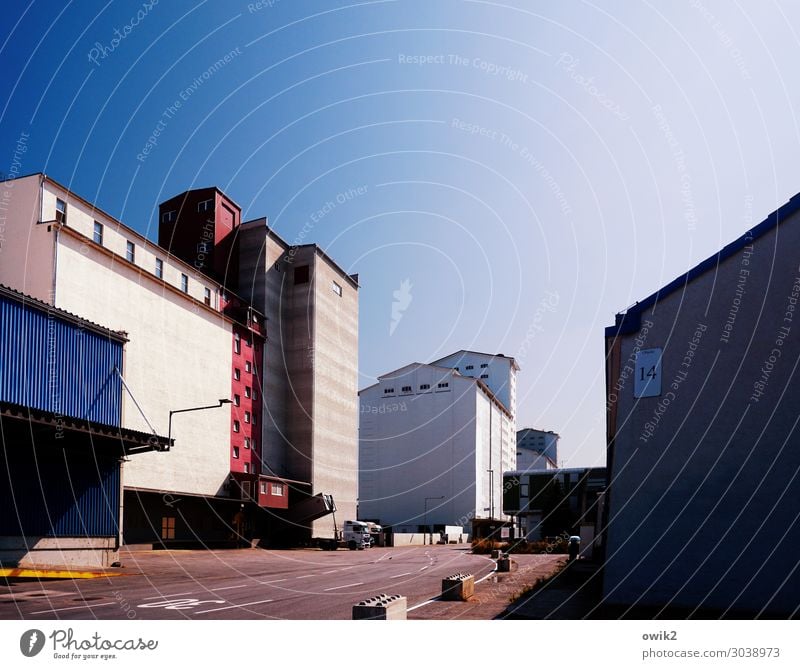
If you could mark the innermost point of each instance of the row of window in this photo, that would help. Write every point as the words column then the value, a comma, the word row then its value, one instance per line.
column 202, row 207
column 249, row 393
column 130, row 256
column 423, row 386
column 237, row 373
column 237, row 343
column 484, row 365
column 248, row 418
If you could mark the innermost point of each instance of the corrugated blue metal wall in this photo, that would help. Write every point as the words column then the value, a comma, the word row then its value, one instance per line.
column 52, row 364
column 55, row 492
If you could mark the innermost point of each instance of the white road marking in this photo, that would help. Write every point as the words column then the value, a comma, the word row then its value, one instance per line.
column 175, row 594
column 424, row 568
column 73, row 608
column 230, row 587
column 234, row 606
column 306, row 576
column 277, row 580
column 332, row 571
column 339, row 587
column 408, row 573
column 180, row 604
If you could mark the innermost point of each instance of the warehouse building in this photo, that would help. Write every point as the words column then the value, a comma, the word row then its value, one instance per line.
column 194, row 343
column 703, row 398
column 434, row 443
column 63, row 444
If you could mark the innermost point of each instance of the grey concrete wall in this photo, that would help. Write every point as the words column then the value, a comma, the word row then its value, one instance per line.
column 335, row 393
column 705, row 484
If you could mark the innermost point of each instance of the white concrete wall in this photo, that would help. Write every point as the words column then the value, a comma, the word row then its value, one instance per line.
column 528, row 461
column 416, row 445
column 178, row 356
column 26, row 249
column 502, row 377
column 81, row 217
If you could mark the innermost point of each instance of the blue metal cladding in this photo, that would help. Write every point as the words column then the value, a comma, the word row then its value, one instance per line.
column 55, row 365
column 58, row 493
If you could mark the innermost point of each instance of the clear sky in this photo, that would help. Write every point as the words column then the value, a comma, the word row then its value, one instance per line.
column 503, row 176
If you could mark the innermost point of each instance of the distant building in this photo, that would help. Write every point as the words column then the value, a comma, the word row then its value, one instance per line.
column 434, row 443
column 536, row 449
column 703, row 399
column 554, row 503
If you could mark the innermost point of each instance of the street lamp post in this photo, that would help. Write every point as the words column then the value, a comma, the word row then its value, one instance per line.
column 491, row 492
column 174, row 411
column 427, row 499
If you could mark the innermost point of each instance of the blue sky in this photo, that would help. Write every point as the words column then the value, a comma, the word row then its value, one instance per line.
column 529, row 169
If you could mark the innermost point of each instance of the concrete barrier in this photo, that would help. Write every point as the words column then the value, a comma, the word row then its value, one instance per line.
column 381, row 607
column 458, row 587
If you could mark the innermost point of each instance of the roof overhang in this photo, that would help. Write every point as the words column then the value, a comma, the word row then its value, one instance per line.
column 113, row 440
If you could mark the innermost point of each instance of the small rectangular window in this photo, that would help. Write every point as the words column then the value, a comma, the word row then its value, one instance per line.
column 484, row 365
column 236, row 426
column 130, row 251
column 159, row 268
column 205, row 205
column 247, row 442
column 523, row 490
column 207, row 296
column 255, row 394
column 406, row 389
column 168, row 216
column 168, row 527
column 236, row 452
column 263, row 487
column 98, row 233
column 248, row 367
column 61, row 211
column 387, row 391
column 254, row 418
column 468, row 367
column 246, row 467
column 184, row 283
column 236, row 400
column 237, row 343
column 443, row 385
column 425, row 386
column 247, row 391
column 246, row 416
column 300, row 275
column 484, row 376
column 336, row 288
column 236, row 373
column 277, row 489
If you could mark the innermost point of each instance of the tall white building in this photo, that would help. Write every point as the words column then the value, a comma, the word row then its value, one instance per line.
column 434, row 442
column 536, row 449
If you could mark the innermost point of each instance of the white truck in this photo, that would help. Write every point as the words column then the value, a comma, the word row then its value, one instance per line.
column 353, row 535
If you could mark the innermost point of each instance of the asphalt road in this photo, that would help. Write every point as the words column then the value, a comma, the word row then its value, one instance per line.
column 244, row 584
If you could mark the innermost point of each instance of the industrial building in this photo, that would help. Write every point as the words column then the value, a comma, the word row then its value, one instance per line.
column 536, row 449
column 555, row 504
column 63, row 444
column 193, row 342
column 703, row 400
column 434, row 442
